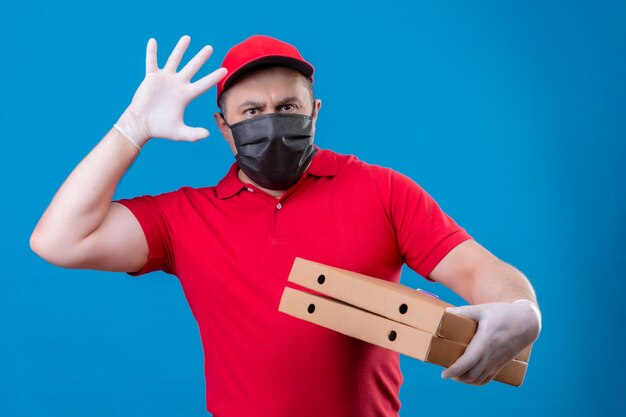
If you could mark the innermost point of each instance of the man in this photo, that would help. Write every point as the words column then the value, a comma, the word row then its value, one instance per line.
column 232, row 245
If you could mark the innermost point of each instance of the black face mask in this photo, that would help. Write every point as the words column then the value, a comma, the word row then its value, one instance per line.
column 274, row 149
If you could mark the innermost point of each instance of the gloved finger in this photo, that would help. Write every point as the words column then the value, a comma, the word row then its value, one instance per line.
column 495, row 365
column 151, row 56
column 485, row 377
column 196, row 63
column 191, row 134
column 468, row 360
column 486, row 367
column 208, row 81
column 474, row 312
column 177, row 53
column 472, row 375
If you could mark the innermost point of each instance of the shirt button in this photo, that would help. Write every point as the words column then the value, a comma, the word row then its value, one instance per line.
column 279, row 206
column 250, row 189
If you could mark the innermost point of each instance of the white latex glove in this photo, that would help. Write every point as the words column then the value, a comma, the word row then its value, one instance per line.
column 158, row 106
column 504, row 330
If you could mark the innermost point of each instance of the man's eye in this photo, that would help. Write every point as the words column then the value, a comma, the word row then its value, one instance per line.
column 288, row 107
column 251, row 111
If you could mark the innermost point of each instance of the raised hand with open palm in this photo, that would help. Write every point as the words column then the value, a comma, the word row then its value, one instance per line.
column 158, row 106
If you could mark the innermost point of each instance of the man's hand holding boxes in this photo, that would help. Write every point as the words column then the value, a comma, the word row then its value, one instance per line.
column 387, row 314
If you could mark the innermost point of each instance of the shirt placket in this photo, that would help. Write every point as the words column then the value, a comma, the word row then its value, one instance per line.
column 278, row 235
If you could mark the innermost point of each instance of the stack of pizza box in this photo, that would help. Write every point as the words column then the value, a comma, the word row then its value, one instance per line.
column 387, row 314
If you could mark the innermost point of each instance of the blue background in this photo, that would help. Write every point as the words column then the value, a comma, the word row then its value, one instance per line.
column 510, row 114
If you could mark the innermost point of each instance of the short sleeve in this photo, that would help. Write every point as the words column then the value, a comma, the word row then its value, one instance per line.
column 157, row 231
column 424, row 231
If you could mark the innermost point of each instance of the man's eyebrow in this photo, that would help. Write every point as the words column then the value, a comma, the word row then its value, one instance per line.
column 287, row 100
column 251, row 103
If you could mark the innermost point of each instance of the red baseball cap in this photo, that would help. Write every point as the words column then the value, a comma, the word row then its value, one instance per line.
column 260, row 50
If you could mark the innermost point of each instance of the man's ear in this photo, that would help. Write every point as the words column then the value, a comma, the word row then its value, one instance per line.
column 318, row 106
column 221, row 124
column 225, row 130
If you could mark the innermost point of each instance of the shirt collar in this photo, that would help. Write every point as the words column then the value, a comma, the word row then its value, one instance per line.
column 324, row 164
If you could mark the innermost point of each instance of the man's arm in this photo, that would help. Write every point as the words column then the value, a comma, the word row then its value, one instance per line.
column 505, row 326
column 479, row 277
column 82, row 227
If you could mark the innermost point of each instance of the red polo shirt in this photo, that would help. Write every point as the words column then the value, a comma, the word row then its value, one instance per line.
column 232, row 247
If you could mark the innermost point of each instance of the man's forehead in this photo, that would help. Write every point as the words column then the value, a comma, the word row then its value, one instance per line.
column 265, row 71
column 260, row 89
column 275, row 80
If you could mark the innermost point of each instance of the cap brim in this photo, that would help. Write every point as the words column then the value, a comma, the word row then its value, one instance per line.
column 266, row 61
